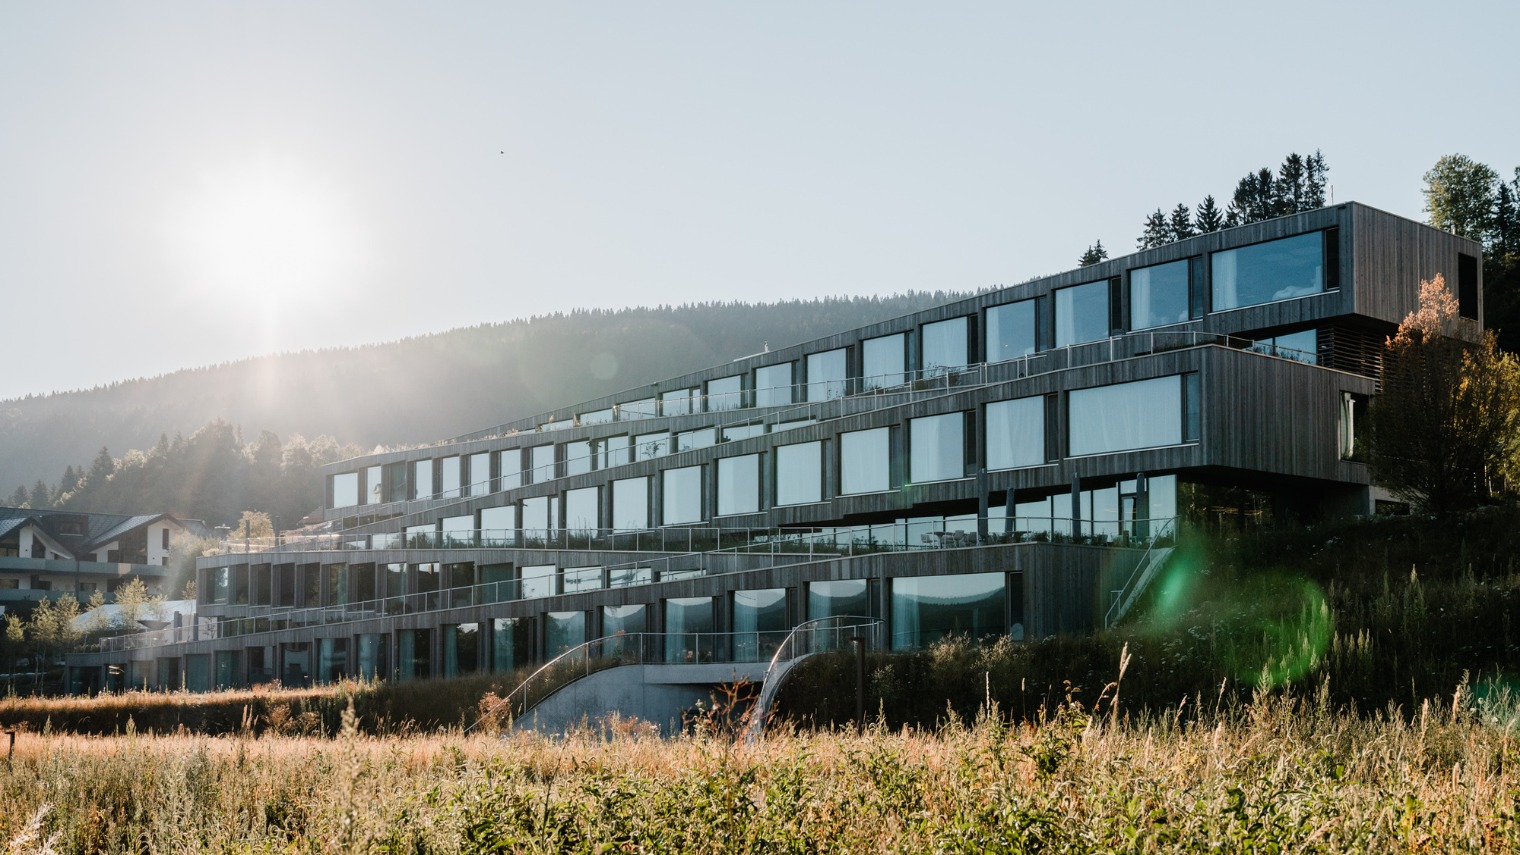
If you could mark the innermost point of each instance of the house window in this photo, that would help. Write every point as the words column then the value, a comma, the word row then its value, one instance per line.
column 826, row 375
column 883, row 361
column 1158, row 295
column 1082, row 313
column 944, row 346
column 739, row 485
column 1268, row 272
column 1016, row 433
column 1125, row 416
column 865, row 461
column 938, row 448
column 1010, row 331
column 773, row 385
column 799, row 473
column 725, row 394
column 1353, row 422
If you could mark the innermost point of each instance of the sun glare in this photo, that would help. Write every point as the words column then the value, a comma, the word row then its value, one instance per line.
column 269, row 229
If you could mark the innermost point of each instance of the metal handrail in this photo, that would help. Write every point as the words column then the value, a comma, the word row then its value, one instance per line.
column 1137, row 577
column 787, row 653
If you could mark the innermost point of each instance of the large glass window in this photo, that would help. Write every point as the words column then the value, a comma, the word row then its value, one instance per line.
column 511, row 643
column 677, row 403
column 826, row 375
column 459, row 531
column 799, row 473
column 883, row 362
column 683, row 495
column 498, row 526
column 689, row 629
column 928, row 608
column 726, row 393
column 461, row 649
column 543, row 463
column 578, row 457
column 450, row 478
column 648, row 446
column 938, row 446
column 838, row 598
column 865, row 461
column 1081, row 313
column 611, row 451
column 345, row 487
column 563, row 631
column 1158, row 295
column 398, row 481
column 773, row 385
column 1010, row 331
column 630, row 504
column 624, row 620
column 1016, row 433
column 480, row 474
column 1302, row 346
column 739, row 485
column 944, row 346
column 760, row 623
column 539, row 580
column 1267, row 272
column 422, row 479
column 510, row 464
column 374, row 485
column 1142, row 414
column 540, row 517
column 582, row 510
column 582, row 579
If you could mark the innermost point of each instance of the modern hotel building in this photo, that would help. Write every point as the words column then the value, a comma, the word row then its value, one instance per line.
column 1003, row 464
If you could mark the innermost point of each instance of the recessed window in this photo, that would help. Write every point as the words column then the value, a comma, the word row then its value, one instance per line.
column 583, row 510
column 938, row 448
column 826, row 375
column 884, row 361
column 345, row 489
column 739, row 485
column 945, row 345
column 725, row 394
column 630, row 504
column 1010, row 331
column 1082, row 313
column 1126, row 416
column 1268, row 272
column 1016, row 433
column 1158, row 295
column 865, row 461
column 683, row 495
column 773, row 385
column 799, row 473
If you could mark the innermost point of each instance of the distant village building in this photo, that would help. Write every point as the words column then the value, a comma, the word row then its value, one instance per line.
column 1012, row 464
column 50, row 554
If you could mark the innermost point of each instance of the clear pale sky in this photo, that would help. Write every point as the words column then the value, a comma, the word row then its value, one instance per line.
column 183, row 184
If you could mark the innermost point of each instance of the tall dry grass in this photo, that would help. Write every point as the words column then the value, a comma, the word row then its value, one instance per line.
column 1281, row 773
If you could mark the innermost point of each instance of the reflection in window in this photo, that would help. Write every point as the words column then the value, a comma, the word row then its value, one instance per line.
column 839, row 598
column 375, row 485
column 1016, row 433
column 622, row 577
column 1158, row 295
column 693, row 439
column 582, row 579
column 459, row 531
column 1353, row 424
column 683, row 495
column 1301, row 346
column 926, row 609
column 1266, row 272
column 623, row 620
column 630, row 504
column 1010, row 331
column 510, row 464
column 726, row 393
column 511, row 643
column 689, row 629
column 498, row 526
column 760, row 623
column 739, row 485
column 345, row 488
column 938, row 445
column 538, row 581
column 1142, row 414
column 562, row 631
column 1081, row 313
column 422, row 479
column 944, row 346
column 864, row 461
column 480, row 474
column 799, row 473
column 578, row 457
column 773, row 385
column 648, row 446
column 539, row 517
column 450, row 478
column 677, row 403
column 582, row 510
column 826, row 375
column 883, row 362
column 543, row 463
column 461, row 649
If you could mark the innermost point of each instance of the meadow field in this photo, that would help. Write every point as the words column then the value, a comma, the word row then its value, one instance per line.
column 1278, row 774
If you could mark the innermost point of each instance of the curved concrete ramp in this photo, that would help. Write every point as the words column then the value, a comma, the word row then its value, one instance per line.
column 658, row 694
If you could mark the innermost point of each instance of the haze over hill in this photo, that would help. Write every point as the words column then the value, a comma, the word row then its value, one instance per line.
column 419, row 389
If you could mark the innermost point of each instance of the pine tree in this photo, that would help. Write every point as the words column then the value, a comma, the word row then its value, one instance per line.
column 1314, row 182
column 1208, row 217
column 1268, row 203
column 1504, row 233
column 39, row 499
column 18, row 498
column 1291, row 187
column 1094, row 254
column 1181, row 223
column 1157, row 231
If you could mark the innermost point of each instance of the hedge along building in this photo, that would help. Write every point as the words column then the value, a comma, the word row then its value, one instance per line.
column 1002, row 464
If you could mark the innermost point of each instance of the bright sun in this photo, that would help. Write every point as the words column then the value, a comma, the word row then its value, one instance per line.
column 268, row 228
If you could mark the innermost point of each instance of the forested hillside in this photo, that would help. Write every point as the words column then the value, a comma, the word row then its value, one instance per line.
column 416, row 390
